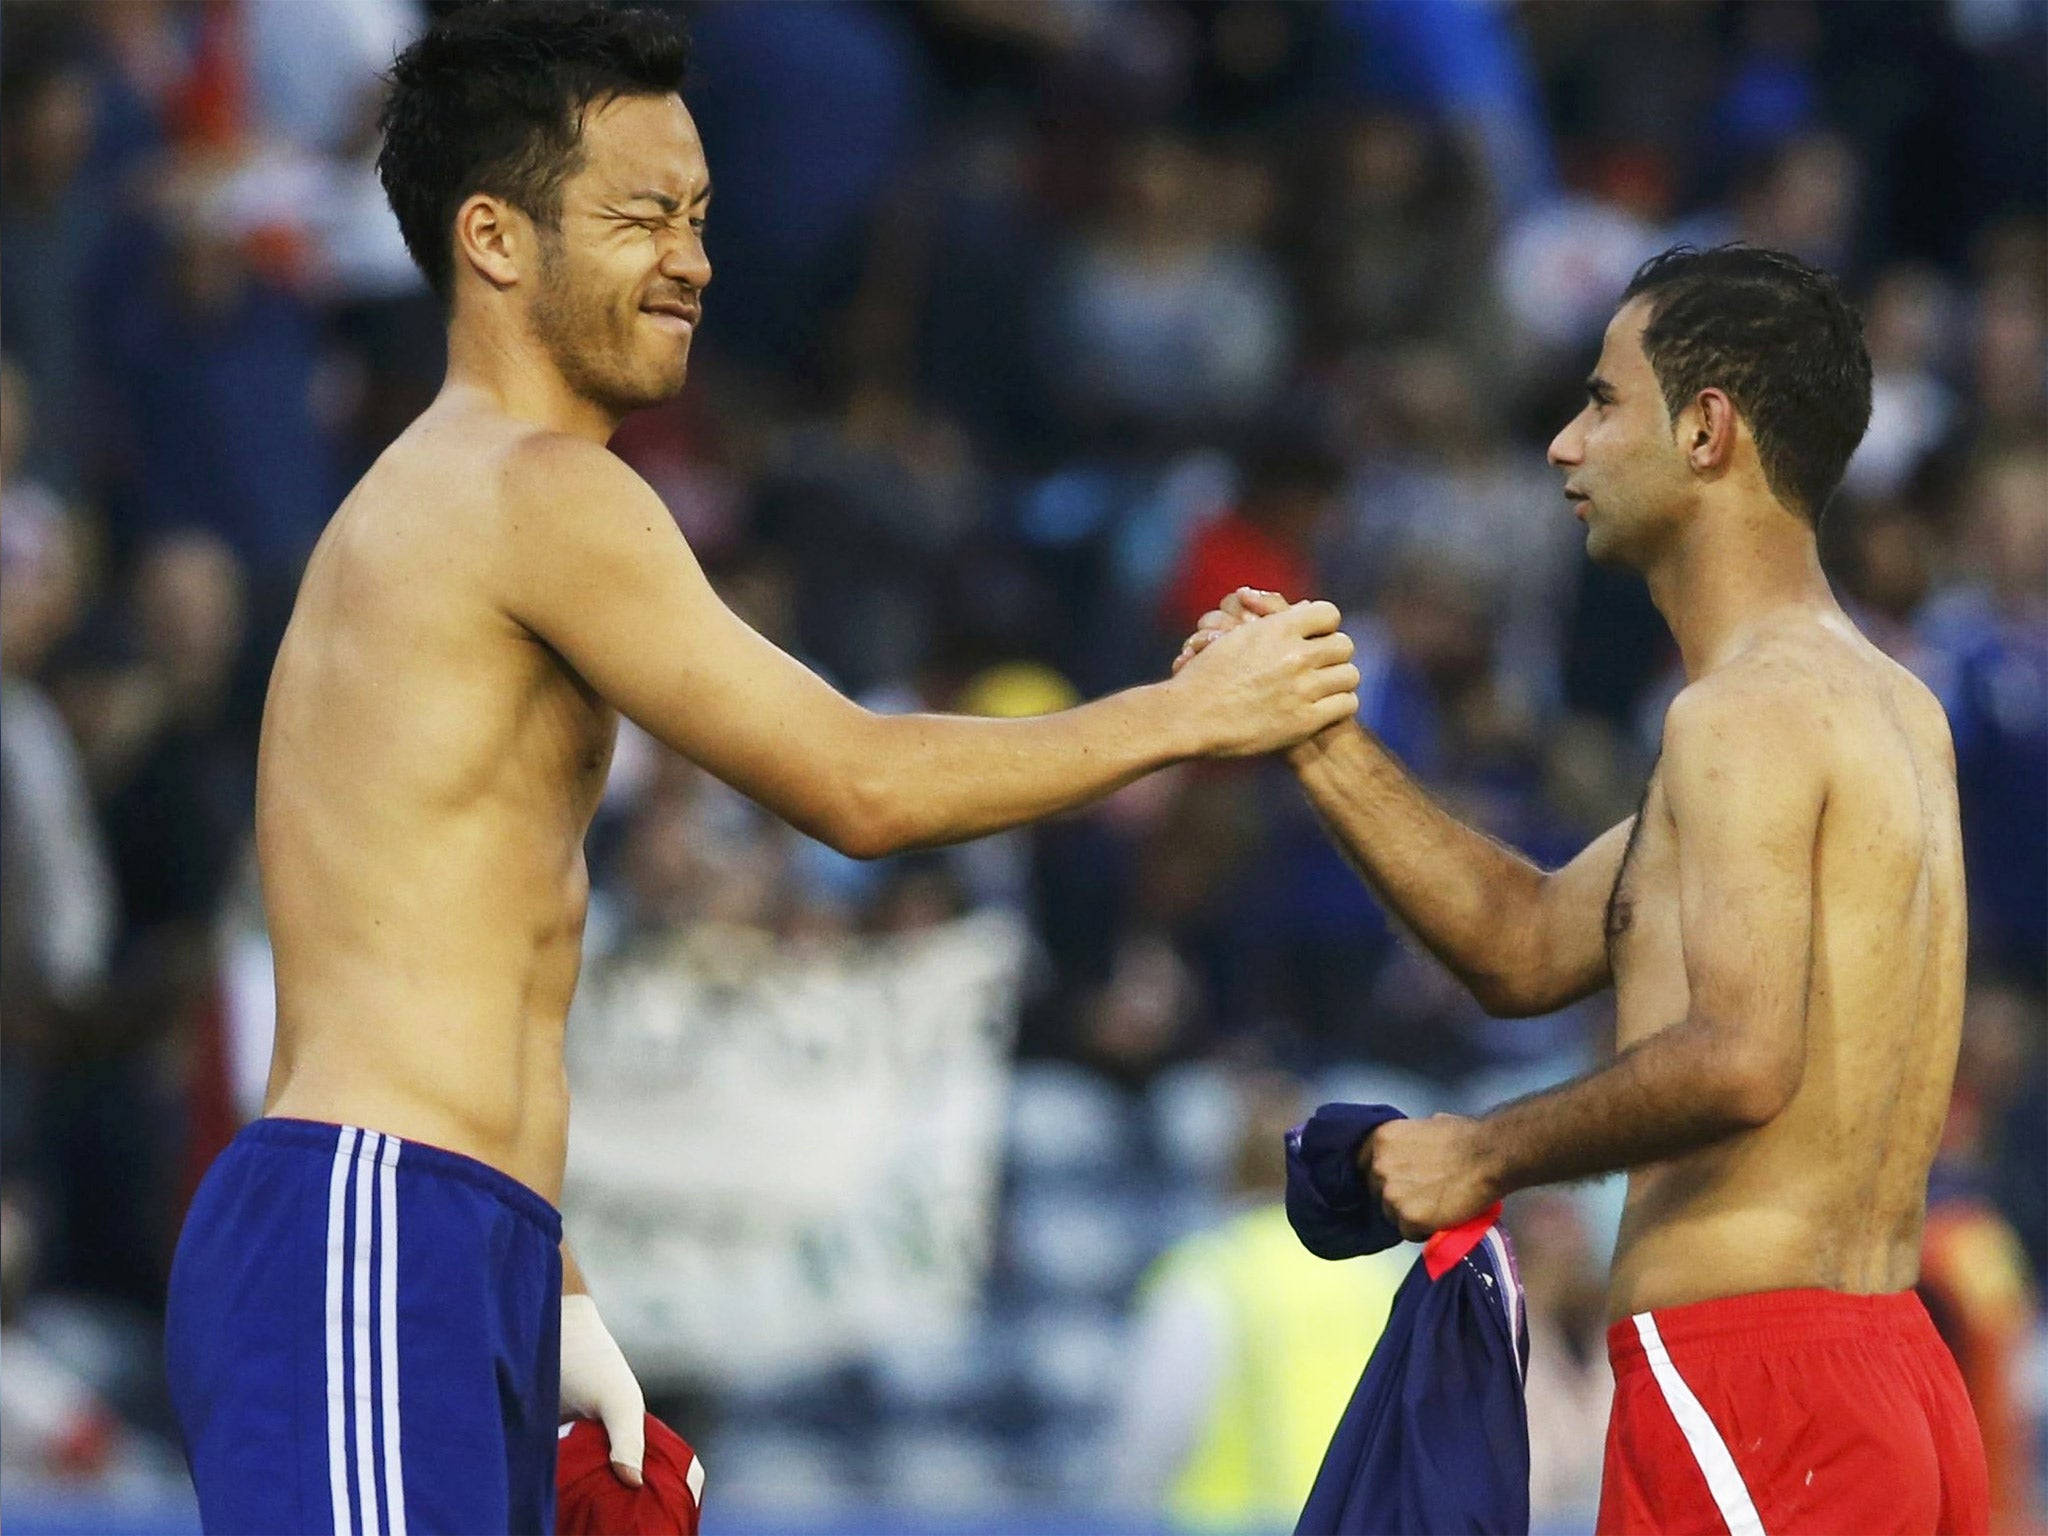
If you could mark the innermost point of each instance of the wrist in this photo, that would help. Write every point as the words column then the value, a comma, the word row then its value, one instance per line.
column 1342, row 748
column 1174, row 722
column 1490, row 1160
column 1304, row 756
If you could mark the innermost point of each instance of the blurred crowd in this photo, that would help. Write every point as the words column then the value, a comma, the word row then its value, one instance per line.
column 1036, row 327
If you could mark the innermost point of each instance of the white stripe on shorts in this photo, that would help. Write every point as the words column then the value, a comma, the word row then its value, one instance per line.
column 359, row 1314
column 387, row 1335
column 337, row 1260
column 1724, row 1479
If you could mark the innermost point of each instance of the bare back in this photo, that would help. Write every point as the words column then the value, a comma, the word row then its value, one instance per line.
column 1830, row 1192
column 427, row 773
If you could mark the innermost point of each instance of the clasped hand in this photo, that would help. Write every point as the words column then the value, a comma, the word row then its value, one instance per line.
column 1256, row 682
column 1429, row 1174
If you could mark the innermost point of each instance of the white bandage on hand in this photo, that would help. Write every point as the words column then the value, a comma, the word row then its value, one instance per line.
column 598, row 1384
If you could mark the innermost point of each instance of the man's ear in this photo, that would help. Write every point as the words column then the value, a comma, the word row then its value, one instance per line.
column 1707, row 431
column 492, row 238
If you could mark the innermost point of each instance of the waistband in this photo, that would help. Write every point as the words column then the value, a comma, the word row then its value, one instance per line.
column 1770, row 1319
column 410, row 1158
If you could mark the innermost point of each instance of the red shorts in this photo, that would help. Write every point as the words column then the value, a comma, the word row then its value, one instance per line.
column 1790, row 1411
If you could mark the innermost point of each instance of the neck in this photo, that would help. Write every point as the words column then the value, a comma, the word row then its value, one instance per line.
column 513, row 374
column 1728, row 576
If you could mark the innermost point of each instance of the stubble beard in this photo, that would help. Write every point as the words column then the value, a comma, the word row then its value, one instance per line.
column 578, row 331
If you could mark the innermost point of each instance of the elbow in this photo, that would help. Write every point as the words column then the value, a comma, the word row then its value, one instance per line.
column 1507, row 995
column 1518, row 977
column 1757, row 1085
column 1498, row 995
column 1516, row 982
column 866, row 821
column 862, row 839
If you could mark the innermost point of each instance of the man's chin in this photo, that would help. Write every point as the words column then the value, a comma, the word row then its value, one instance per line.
column 1614, row 548
column 673, row 374
column 656, row 388
column 1602, row 547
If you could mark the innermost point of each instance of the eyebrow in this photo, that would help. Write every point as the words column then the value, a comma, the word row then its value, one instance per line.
column 667, row 203
column 660, row 200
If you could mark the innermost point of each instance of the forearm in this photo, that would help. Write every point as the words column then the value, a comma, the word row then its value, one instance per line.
column 1470, row 900
column 927, row 780
column 573, row 1283
column 1682, row 1089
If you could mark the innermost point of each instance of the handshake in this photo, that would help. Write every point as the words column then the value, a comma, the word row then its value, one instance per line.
column 1261, row 674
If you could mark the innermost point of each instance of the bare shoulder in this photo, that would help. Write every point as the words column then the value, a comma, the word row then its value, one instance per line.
column 1760, row 738
column 586, row 552
column 477, row 463
column 562, row 481
column 575, row 523
column 476, row 476
column 1921, row 712
column 1774, row 698
column 1813, row 700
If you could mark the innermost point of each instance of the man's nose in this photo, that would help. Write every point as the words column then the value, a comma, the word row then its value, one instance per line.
column 685, row 261
column 1564, row 448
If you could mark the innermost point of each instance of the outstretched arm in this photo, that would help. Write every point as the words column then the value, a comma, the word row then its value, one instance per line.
column 1745, row 804
column 593, row 566
column 1523, row 940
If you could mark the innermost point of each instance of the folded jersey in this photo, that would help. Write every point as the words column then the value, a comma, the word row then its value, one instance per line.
column 1436, row 1436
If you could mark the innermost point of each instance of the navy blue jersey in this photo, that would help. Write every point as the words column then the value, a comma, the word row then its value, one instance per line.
column 1436, row 1436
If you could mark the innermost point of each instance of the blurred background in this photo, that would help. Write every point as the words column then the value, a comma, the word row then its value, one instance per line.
column 939, row 1193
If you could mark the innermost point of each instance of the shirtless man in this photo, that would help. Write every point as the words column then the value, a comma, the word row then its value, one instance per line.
column 1783, row 925
column 367, row 1317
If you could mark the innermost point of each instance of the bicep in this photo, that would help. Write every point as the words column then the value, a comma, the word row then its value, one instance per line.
column 1746, row 803
column 614, row 589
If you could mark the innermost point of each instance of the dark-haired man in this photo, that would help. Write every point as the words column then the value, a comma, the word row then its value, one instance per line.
column 367, row 1316
column 1783, row 925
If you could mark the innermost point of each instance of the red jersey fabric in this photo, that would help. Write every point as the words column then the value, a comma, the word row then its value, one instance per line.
column 591, row 1501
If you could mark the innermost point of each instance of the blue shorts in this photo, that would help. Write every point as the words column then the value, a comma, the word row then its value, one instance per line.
column 364, row 1338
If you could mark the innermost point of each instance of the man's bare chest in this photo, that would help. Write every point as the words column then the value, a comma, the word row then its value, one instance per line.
column 589, row 733
column 558, row 748
column 1642, row 923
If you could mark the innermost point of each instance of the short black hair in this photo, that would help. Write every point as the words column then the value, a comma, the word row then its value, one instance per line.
column 1778, row 337
column 492, row 99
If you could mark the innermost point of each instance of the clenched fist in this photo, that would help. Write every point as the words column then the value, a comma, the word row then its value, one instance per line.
column 1429, row 1174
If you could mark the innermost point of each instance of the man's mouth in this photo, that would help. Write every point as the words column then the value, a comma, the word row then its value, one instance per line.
column 1579, row 500
column 680, row 310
